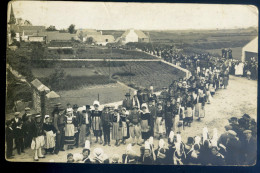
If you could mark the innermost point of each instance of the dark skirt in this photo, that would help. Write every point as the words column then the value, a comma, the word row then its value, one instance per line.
column 146, row 135
column 69, row 140
column 97, row 133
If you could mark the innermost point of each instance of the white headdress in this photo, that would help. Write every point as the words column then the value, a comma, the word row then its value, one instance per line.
column 147, row 145
column 87, row 144
column 197, row 140
column 96, row 103
column 178, row 138
column 205, row 134
column 171, row 136
column 151, row 140
column 161, row 143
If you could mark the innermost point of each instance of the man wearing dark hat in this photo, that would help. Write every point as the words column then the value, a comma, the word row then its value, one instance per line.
column 233, row 148
column 38, row 137
column 18, row 136
column 169, row 117
column 9, row 137
column 235, row 126
column 164, row 95
column 145, row 95
column 160, row 116
column 152, row 109
column 106, row 121
column 76, row 115
column 127, row 102
column 134, row 125
column 59, row 124
column 249, row 148
column 27, row 129
column 140, row 97
column 244, row 122
column 84, row 124
column 96, row 121
column 26, row 112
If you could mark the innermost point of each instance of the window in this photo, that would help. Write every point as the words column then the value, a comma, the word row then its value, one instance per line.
column 106, row 40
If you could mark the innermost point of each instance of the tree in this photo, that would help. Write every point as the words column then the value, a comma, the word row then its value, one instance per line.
column 57, row 79
column 51, row 28
column 71, row 29
column 38, row 51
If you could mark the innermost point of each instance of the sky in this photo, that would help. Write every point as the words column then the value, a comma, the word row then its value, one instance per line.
column 144, row 16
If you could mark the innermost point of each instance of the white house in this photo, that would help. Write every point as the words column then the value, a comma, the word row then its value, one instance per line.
column 133, row 35
column 250, row 50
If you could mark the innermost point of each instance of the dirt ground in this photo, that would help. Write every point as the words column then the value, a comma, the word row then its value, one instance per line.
column 240, row 97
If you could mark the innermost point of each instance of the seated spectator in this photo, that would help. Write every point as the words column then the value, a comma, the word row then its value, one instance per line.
column 216, row 159
column 70, row 158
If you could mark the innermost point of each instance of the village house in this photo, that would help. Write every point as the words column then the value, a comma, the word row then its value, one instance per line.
column 96, row 36
column 133, row 35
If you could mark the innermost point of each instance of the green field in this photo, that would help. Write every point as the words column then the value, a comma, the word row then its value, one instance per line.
column 140, row 74
column 99, row 53
column 45, row 72
column 86, row 95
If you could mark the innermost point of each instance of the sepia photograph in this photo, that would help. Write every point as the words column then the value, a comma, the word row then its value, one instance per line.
column 131, row 83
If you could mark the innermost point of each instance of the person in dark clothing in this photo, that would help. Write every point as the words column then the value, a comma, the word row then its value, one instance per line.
column 84, row 124
column 235, row 126
column 18, row 132
column 59, row 124
column 168, row 117
column 233, row 148
column 76, row 114
column 50, row 133
column 26, row 112
column 205, row 152
column 127, row 102
column 147, row 157
column 96, row 122
column 244, row 122
column 86, row 153
column 152, row 109
column 9, row 137
column 146, row 120
column 215, row 158
column 27, row 129
column 161, row 153
column 106, row 121
column 70, row 158
column 38, row 137
column 249, row 148
column 140, row 98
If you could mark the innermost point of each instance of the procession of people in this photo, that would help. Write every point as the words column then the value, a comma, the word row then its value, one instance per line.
column 140, row 119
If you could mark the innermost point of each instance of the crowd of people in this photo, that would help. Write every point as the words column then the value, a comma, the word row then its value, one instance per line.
column 236, row 146
column 248, row 69
column 141, row 118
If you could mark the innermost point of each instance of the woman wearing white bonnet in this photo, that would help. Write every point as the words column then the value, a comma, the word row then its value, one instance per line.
column 146, row 122
column 50, row 134
column 161, row 153
column 99, row 156
column 96, row 121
